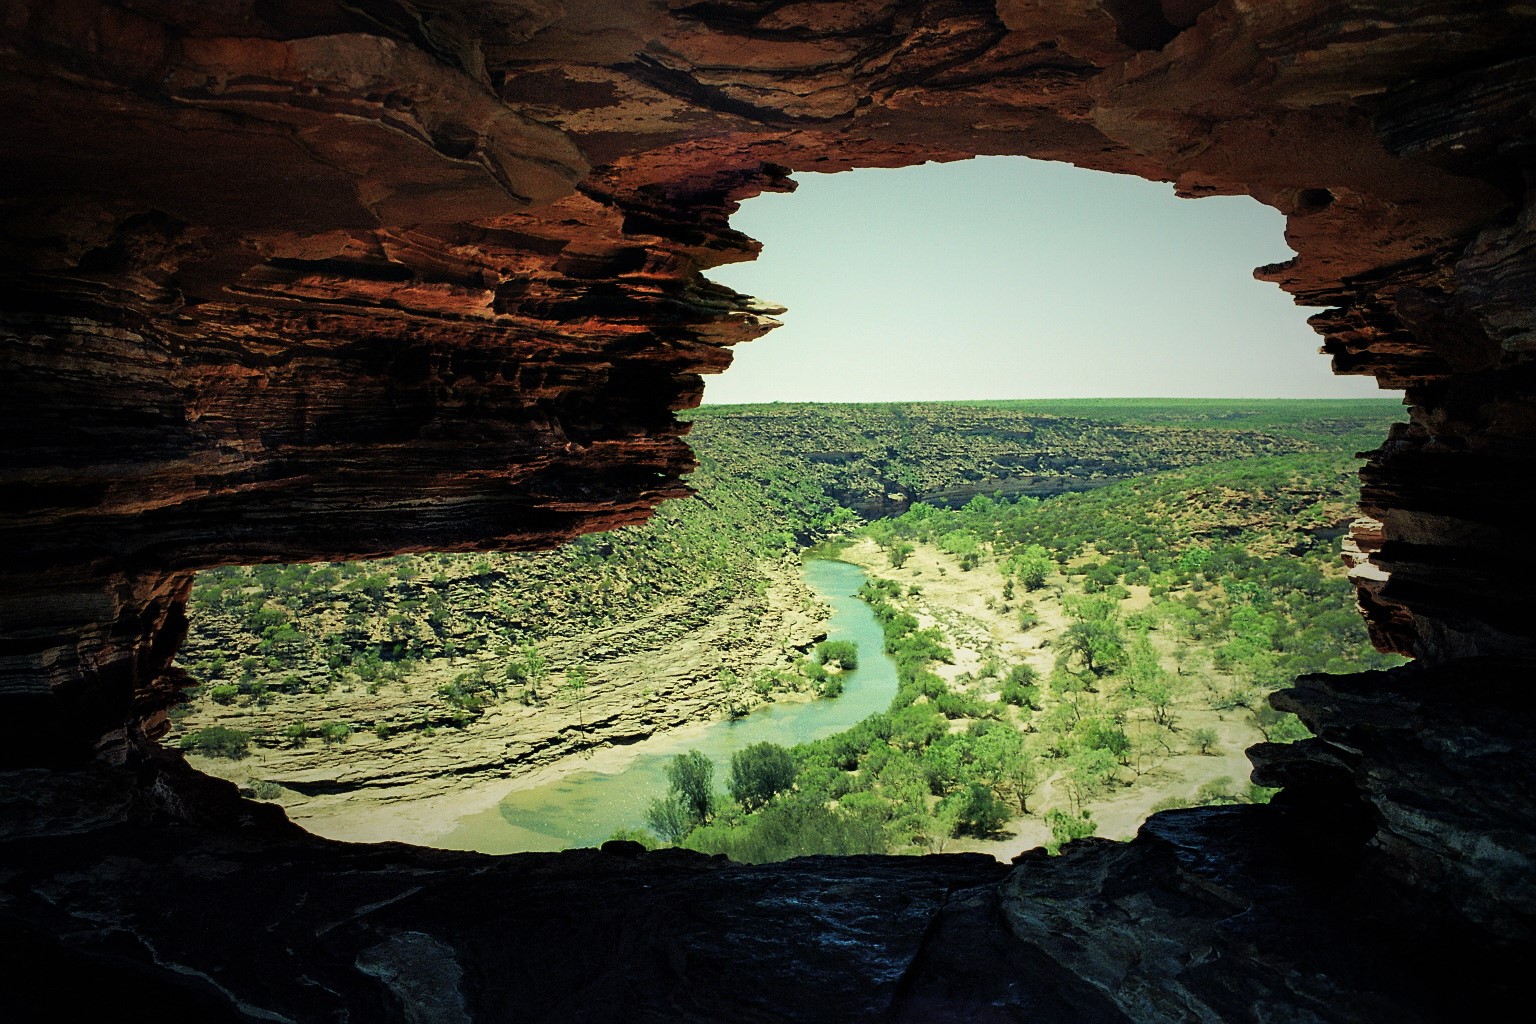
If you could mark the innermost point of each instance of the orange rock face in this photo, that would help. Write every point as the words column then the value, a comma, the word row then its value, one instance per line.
column 325, row 280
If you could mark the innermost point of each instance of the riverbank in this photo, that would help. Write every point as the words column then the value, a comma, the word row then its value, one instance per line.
column 643, row 677
column 529, row 776
column 585, row 806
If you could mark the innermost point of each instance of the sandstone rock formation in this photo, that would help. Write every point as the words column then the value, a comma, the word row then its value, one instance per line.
column 291, row 280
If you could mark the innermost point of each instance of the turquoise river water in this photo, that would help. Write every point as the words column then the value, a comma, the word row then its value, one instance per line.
column 586, row 807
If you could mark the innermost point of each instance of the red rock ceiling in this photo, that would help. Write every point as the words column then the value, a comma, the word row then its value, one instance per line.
column 314, row 280
column 289, row 280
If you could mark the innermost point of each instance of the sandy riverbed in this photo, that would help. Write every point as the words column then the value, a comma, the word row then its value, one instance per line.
column 417, row 790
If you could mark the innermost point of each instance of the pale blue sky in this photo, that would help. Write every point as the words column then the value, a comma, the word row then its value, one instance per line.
column 1003, row 277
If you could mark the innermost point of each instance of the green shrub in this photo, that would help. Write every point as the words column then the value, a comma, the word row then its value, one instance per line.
column 799, row 826
column 334, row 732
column 844, row 652
column 1217, row 791
column 1066, row 827
column 1172, row 803
column 633, row 835
column 218, row 741
column 224, row 693
column 1204, row 739
column 982, row 814
column 1020, row 687
column 1280, row 726
column 468, row 695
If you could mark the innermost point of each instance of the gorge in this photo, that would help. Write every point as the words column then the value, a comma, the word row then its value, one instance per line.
column 293, row 282
column 383, row 699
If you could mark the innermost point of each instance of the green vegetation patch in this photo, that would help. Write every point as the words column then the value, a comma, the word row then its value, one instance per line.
column 1221, row 518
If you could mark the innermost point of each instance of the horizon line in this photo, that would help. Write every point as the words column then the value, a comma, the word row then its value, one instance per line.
column 1399, row 397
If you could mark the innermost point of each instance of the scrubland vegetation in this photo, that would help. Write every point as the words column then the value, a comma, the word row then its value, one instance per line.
column 476, row 630
column 1147, row 573
column 1173, row 596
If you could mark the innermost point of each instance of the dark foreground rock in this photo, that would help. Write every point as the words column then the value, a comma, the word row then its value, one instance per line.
column 1263, row 913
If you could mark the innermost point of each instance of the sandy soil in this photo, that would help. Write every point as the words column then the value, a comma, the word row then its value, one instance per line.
column 969, row 607
column 416, row 789
column 427, row 819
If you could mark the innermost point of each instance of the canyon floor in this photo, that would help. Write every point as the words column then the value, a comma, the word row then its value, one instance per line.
column 415, row 786
column 965, row 605
column 643, row 677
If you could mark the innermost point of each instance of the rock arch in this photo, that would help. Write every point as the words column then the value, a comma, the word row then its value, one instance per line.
column 315, row 280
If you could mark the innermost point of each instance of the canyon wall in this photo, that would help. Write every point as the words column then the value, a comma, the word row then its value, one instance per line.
column 316, row 280
column 304, row 281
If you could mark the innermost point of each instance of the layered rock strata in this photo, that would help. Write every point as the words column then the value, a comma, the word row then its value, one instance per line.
column 340, row 281
column 326, row 280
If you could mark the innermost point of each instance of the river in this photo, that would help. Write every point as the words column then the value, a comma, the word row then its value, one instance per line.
column 586, row 807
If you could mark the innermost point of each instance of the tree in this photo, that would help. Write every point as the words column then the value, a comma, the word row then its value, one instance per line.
column 1098, row 643
column 981, row 813
column 1021, row 776
column 530, row 669
column 1006, row 759
column 939, row 825
column 535, row 668
column 1159, row 698
column 899, row 553
column 1204, row 739
column 1072, row 693
column 1147, row 743
column 945, row 765
column 1087, row 773
column 1143, row 667
column 692, row 775
column 1099, row 734
column 669, row 818
column 760, row 772
column 1035, row 567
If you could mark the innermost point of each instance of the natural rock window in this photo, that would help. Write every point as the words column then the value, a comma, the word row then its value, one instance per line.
column 366, row 279
column 1074, row 666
